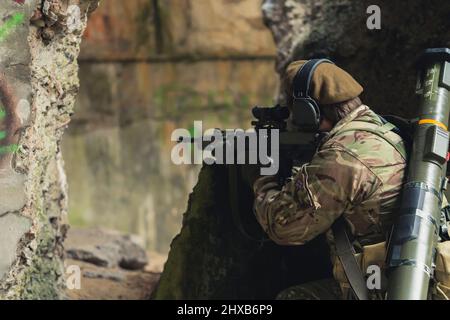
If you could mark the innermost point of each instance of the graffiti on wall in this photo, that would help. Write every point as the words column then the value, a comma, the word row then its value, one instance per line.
column 15, row 97
column 9, row 122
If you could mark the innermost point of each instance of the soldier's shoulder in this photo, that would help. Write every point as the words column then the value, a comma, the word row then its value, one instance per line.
column 353, row 135
column 355, row 141
column 367, row 147
column 363, row 136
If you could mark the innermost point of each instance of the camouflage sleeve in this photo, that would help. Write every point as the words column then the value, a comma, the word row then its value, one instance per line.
column 316, row 195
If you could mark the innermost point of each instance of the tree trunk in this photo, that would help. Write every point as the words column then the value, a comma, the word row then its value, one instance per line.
column 39, row 46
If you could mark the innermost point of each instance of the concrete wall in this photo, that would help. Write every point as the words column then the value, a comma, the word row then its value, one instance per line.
column 148, row 67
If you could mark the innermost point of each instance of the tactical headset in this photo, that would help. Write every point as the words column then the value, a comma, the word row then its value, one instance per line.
column 305, row 111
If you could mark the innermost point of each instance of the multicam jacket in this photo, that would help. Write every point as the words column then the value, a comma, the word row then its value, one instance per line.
column 355, row 173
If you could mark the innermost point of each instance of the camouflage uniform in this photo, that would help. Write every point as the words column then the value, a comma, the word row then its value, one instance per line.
column 354, row 173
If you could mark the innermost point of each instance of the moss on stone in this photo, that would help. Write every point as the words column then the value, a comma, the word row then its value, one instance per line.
column 212, row 259
column 42, row 280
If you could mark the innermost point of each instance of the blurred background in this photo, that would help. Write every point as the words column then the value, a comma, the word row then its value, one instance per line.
column 148, row 67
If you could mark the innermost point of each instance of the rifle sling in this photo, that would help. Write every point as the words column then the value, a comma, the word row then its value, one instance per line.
column 345, row 252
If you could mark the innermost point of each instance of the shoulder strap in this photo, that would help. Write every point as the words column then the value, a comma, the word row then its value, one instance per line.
column 346, row 254
column 384, row 131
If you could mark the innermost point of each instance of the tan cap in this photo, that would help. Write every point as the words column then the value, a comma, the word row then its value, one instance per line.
column 330, row 84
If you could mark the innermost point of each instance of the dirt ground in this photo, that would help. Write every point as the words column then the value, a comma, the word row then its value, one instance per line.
column 99, row 283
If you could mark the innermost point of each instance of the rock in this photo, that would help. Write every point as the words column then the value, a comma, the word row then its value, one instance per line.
column 383, row 61
column 105, row 248
column 98, row 283
column 133, row 257
column 211, row 259
column 12, row 228
column 108, row 275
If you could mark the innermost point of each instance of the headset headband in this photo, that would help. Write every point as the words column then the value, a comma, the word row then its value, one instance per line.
column 302, row 80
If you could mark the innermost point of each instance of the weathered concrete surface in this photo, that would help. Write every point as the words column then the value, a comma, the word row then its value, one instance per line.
column 15, row 87
column 12, row 228
column 182, row 29
column 134, row 92
column 40, row 74
column 383, row 61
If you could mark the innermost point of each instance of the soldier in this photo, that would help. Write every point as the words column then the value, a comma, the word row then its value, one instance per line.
column 356, row 175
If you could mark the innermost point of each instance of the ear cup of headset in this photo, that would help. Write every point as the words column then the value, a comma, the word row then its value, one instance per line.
column 305, row 111
column 306, row 114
